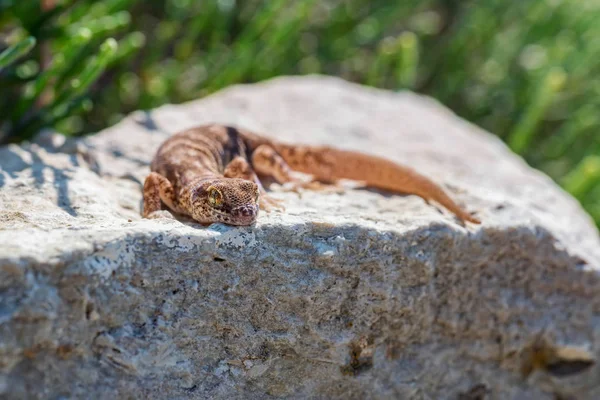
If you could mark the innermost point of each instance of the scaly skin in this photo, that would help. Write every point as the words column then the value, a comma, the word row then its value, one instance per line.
column 209, row 173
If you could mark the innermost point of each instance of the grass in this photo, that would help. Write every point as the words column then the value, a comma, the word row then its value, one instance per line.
column 525, row 71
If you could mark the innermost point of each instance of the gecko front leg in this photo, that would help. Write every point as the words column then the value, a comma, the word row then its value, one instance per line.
column 157, row 188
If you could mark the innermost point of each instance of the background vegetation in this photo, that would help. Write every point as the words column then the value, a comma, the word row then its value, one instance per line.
column 525, row 70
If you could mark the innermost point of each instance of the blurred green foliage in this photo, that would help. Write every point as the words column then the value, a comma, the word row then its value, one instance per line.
column 523, row 70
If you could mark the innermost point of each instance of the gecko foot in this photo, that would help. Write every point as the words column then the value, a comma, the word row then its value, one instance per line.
column 160, row 214
column 268, row 203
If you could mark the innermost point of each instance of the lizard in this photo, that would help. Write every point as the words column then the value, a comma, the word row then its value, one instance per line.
column 211, row 174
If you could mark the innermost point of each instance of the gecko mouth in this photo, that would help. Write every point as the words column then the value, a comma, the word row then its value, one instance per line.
column 244, row 215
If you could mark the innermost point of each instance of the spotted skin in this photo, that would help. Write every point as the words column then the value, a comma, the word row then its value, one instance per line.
column 210, row 173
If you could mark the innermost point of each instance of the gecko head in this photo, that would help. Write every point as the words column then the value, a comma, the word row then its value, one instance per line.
column 231, row 201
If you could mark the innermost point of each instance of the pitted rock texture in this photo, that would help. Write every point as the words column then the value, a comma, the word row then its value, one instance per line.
column 355, row 295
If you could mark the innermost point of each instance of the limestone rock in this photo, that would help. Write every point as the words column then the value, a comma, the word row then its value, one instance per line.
column 354, row 295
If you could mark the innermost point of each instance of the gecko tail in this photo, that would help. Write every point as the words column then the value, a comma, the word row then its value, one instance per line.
column 329, row 164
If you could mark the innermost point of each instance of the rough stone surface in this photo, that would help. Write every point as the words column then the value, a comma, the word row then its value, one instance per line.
column 348, row 296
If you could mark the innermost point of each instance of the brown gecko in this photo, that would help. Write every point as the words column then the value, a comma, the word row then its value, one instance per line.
column 210, row 173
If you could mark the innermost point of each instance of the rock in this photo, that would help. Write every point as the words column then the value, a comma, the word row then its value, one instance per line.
column 354, row 295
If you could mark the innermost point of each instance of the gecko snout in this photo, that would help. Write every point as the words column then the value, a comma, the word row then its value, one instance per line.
column 243, row 215
column 244, row 211
column 248, row 211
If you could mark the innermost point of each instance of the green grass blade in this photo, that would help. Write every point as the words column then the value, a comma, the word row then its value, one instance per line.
column 584, row 177
column 522, row 136
column 16, row 51
column 406, row 73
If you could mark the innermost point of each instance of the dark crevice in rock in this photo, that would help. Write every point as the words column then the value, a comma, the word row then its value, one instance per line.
column 477, row 392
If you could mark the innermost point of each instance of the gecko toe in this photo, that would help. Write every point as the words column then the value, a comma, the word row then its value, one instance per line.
column 160, row 214
column 269, row 204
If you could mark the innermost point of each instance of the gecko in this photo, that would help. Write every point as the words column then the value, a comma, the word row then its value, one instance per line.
column 211, row 174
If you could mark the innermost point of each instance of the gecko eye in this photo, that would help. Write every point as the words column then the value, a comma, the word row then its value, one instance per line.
column 257, row 195
column 215, row 197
